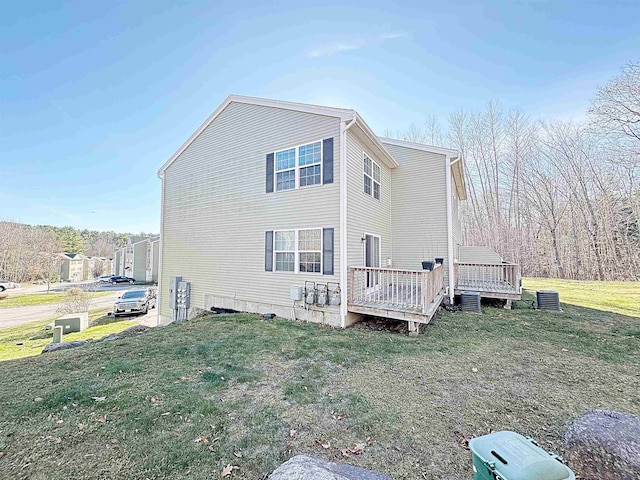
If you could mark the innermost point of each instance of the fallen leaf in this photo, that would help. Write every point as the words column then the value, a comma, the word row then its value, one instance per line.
column 201, row 439
column 226, row 471
column 292, row 433
column 114, row 440
column 326, row 445
column 237, row 454
column 211, row 448
column 102, row 419
column 185, row 378
column 1, row 454
column 59, row 423
column 99, row 399
column 58, row 440
column 565, row 350
column 165, row 414
column 153, row 400
column 370, row 441
column 474, row 370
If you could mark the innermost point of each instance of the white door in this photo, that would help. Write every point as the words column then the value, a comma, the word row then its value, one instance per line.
column 372, row 259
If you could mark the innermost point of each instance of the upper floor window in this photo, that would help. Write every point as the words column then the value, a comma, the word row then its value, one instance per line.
column 371, row 178
column 299, row 167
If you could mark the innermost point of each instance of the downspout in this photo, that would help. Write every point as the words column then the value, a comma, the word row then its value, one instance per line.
column 160, row 248
column 344, row 126
column 449, row 227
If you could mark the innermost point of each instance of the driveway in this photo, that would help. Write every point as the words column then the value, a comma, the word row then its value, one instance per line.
column 10, row 317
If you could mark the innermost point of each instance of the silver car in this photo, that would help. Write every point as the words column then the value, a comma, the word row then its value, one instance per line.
column 135, row 301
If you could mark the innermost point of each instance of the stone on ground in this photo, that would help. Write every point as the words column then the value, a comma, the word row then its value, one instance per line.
column 305, row 467
column 52, row 347
column 604, row 445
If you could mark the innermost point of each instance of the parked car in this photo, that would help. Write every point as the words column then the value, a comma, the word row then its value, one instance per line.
column 5, row 284
column 104, row 279
column 135, row 301
column 120, row 279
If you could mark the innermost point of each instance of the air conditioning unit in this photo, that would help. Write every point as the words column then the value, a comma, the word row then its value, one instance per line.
column 470, row 302
column 548, row 300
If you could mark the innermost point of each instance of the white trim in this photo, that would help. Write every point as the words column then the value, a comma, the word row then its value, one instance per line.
column 372, row 177
column 344, row 298
column 450, row 259
column 159, row 294
column 420, row 146
column 297, row 166
column 296, row 251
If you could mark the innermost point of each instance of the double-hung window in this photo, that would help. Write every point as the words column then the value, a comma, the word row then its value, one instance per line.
column 371, row 177
column 298, row 251
column 299, row 167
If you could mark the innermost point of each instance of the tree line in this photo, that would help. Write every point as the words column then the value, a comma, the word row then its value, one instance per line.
column 561, row 198
column 31, row 252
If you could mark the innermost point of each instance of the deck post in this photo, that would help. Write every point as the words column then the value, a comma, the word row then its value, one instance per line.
column 351, row 283
column 413, row 328
column 425, row 294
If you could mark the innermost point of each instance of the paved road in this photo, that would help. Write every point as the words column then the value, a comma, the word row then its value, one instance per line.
column 10, row 317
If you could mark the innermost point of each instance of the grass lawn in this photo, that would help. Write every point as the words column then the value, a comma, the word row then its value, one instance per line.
column 618, row 297
column 32, row 337
column 31, row 299
column 184, row 401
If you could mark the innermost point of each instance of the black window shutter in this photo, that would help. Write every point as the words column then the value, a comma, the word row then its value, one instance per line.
column 270, row 170
column 268, row 251
column 327, row 251
column 327, row 160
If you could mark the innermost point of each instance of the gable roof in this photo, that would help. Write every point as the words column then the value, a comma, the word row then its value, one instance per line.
column 454, row 155
column 343, row 114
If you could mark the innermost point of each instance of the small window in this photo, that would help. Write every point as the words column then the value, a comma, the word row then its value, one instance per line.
column 310, row 250
column 285, row 169
column 372, row 178
column 284, row 250
column 299, row 167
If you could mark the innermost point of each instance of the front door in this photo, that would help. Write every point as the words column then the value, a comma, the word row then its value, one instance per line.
column 372, row 259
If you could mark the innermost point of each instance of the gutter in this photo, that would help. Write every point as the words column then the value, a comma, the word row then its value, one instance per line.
column 344, row 126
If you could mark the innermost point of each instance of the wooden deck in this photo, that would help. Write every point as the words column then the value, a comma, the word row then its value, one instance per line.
column 410, row 295
column 491, row 280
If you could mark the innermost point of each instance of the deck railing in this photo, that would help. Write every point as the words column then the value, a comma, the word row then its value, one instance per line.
column 489, row 277
column 412, row 290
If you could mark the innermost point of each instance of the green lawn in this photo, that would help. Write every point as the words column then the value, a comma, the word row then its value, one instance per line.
column 31, row 299
column 29, row 339
column 184, row 401
column 618, row 297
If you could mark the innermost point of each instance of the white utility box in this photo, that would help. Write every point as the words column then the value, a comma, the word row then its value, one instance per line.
column 296, row 293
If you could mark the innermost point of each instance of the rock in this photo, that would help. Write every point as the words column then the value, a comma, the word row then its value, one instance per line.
column 604, row 445
column 38, row 399
column 305, row 467
column 52, row 347
column 129, row 332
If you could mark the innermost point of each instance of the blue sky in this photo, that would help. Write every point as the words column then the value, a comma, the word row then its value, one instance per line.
column 96, row 96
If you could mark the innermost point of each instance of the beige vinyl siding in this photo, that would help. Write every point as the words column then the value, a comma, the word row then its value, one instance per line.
column 139, row 270
column 419, row 208
column 479, row 254
column 216, row 210
column 366, row 214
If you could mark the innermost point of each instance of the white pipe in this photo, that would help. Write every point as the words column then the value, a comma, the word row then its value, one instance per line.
column 159, row 307
column 343, row 220
column 449, row 226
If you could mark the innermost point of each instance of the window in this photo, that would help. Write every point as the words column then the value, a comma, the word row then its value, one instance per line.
column 299, row 167
column 371, row 178
column 298, row 251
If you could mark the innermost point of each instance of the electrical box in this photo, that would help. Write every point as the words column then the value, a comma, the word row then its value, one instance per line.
column 510, row 456
column 183, row 299
column 296, row 293
column 173, row 291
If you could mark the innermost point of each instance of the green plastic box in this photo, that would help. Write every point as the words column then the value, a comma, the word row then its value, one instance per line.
column 73, row 322
column 510, row 456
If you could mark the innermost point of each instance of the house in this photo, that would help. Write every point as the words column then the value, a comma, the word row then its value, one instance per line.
column 302, row 211
column 138, row 259
column 71, row 267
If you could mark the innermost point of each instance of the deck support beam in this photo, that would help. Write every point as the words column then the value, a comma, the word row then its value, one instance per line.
column 414, row 328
